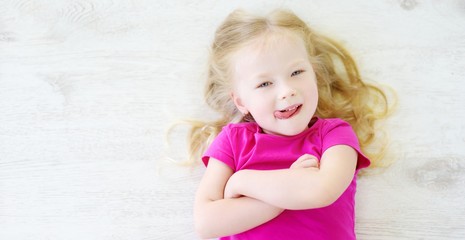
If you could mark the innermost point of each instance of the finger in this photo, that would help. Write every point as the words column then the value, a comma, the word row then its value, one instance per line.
column 307, row 156
column 303, row 157
column 298, row 163
column 295, row 164
column 309, row 163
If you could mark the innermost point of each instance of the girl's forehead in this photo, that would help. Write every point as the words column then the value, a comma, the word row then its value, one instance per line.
column 270, row 40
column 267, row 43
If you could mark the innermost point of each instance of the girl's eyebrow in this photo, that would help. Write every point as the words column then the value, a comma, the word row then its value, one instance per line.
column 265, row 75
column 297, row 62
column 261, row 76
column 291, row 65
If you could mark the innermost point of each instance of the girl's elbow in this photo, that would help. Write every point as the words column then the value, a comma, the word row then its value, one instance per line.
column 327, row 200
column 206, row 225
column 202, row 228
column 200, row 223
column 201, row 231
column 327, row 197
column 310, row 204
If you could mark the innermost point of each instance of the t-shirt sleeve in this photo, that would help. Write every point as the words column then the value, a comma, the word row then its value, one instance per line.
column 339, row 132
column 221, row 149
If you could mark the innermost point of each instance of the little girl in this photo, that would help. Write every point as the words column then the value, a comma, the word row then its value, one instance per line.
column 283, row 160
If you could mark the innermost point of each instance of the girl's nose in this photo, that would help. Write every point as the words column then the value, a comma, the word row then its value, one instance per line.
column 287, row 92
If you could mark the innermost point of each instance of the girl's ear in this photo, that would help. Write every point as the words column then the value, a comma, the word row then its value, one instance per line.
column 239, row 104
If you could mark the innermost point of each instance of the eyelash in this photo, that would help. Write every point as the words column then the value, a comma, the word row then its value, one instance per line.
column 266, row 84
column 297, row 72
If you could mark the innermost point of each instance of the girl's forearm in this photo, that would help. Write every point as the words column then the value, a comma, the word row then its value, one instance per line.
column 226, row 217
column 301, row 188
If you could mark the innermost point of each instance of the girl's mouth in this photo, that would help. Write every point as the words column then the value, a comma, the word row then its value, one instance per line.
column 288, row 112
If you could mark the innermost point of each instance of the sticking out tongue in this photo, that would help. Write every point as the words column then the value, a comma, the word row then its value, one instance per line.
column 287, row 113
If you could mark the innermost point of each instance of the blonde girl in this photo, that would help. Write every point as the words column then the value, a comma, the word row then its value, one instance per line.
column 297, row 121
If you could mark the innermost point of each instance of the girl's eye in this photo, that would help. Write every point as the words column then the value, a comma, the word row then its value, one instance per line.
column 265, row 84
column 295, row 73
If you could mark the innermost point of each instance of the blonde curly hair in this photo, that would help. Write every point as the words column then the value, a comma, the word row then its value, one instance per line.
column 342, row 93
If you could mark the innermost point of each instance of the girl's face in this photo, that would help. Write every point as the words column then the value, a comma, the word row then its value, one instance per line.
column 274, row 81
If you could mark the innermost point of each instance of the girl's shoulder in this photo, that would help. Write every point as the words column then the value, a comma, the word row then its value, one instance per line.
column 330, row 123
column 332, row 120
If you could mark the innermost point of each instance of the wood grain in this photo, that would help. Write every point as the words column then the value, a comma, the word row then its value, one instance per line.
column 88, row 89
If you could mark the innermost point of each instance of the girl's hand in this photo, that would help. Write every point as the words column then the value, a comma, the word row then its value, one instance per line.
column 306, row 161
column 229, row 191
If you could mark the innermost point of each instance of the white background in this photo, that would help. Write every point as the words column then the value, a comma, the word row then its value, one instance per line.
column 88, row 89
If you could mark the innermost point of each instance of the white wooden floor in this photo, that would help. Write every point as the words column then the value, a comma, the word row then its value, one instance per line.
column 87, row 89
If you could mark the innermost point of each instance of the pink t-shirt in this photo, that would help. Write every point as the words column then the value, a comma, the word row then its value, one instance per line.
column 245, row 146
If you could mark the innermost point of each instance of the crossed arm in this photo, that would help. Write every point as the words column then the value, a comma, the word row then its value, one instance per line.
column 228, row 203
